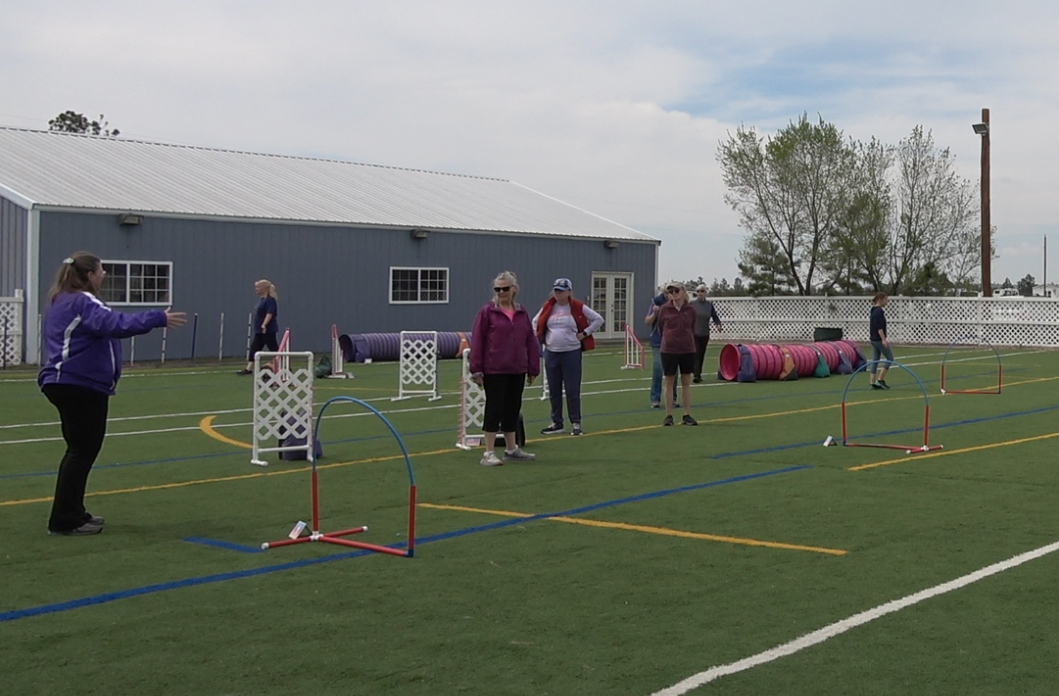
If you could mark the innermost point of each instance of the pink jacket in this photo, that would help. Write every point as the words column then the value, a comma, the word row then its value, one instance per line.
column 502, row 346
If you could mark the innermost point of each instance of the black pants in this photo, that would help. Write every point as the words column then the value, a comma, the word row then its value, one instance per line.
column 503, row 402
column 83, row 413
column 700, row 353
column 260, row 342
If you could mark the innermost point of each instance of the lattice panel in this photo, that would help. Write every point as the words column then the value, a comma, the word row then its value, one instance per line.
column 283, row 401
column 283, row 404
column 910, row 320
column 418, row 373
column 11, row 331
column 473, row 404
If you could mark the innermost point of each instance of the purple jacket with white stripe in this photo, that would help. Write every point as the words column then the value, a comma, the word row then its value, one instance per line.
column 81, row 345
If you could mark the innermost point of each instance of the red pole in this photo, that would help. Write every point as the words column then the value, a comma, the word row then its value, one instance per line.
column 987, row 241
column 411, row 520
column 843, row 422
column 316, row 502
column 926, row 426
column 999, row 378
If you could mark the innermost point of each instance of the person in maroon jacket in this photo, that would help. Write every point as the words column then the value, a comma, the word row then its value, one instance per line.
column 505, row 358
column 676, row 323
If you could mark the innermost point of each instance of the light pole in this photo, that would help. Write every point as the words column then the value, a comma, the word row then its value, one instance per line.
column 982, row 129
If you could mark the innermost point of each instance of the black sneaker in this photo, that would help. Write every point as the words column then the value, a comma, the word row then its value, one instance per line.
column 84, row 530
column 883, row 384
column 244, row 371
column 668, row 420
column 92, row 519
column 688, row 420
column 655, row 404
column 577, row 429
column 877, row 386
column 553, row 429
column 697, row 380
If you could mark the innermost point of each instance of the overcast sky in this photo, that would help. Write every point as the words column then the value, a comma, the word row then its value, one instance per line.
column 616, row 107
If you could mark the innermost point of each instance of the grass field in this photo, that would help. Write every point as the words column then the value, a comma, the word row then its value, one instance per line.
column 621, row 562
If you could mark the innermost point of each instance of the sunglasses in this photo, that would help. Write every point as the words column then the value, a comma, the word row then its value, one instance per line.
column 503, row 289
column 673, row 291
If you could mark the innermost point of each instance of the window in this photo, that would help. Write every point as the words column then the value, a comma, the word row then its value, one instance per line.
column 419, row 285
column 137, row 283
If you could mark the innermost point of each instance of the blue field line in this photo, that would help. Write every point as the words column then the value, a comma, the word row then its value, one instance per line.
column 436, row 431
column 108, row 597
column 228, row 545
column 904, row 431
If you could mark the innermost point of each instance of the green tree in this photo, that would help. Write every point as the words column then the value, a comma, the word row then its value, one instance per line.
column 1006, row 284
column 1026, row 285
column 73, row 122
column 929, row 281
column 764, row 265
column 790, row 191
column 738, row 289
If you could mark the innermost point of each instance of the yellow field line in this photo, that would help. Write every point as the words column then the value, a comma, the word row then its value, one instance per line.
column 946, row 453
column 206, row 425
column 664, row 531
column 222, row 479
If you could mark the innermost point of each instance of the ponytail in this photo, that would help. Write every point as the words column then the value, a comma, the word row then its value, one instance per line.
column 72, row 275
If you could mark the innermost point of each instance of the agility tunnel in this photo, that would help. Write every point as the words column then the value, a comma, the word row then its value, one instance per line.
column 749, row 362
column 380, row 347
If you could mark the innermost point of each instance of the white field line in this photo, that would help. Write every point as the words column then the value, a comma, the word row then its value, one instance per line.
column 839, row 627
column 193, row 414
column 376, row 399
column 360, row 414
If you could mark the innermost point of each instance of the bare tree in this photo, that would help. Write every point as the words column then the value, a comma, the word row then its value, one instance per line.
column 790, row 192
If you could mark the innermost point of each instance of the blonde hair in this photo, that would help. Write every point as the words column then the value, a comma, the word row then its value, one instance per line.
column 271, row 288
column 509, row 277
column 72, row 276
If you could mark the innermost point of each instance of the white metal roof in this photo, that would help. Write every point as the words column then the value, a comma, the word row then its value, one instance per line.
column 62, row 170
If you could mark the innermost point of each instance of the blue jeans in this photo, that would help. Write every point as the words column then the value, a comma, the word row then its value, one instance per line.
column 878, row 350
column 564, row 373
column 656, row 377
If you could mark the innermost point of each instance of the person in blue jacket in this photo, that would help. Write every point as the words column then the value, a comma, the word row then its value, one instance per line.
column 81, row 369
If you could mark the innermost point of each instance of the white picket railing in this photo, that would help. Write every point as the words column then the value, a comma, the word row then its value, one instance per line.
column 1019, row 321
column 11, row 329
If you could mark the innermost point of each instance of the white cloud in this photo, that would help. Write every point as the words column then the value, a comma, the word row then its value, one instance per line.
column 615, row 106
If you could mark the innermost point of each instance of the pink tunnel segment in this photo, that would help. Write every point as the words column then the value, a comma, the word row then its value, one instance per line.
column 766, row 361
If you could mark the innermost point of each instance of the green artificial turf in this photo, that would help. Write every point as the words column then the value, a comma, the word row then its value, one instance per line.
column 620, row 603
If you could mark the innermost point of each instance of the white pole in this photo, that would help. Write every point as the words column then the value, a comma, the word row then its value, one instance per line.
column 40, row 348
column 220, row 348
column 165, row 334
column 132, row 351
column 249, row 331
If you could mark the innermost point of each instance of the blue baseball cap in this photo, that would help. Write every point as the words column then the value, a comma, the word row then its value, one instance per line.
column 563, row 284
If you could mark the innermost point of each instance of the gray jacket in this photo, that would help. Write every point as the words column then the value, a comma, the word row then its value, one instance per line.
column 704, row 312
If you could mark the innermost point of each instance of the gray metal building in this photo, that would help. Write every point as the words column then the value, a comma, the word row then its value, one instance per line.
column 366, row 247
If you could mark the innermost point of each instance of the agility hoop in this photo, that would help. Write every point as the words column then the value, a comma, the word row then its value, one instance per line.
column 316, row 535
column 909, row 449
column 999, row 371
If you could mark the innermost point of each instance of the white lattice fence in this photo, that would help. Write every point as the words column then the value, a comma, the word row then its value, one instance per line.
column 910, row 320
column 11, row 329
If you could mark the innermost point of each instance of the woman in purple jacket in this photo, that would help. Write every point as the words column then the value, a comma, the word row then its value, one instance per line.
column 82, row 365
column 505, row 357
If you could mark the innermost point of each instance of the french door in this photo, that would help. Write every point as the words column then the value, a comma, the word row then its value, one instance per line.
column 612, row 295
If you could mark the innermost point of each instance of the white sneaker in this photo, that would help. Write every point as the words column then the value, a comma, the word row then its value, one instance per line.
column 490, row 459
column 517, row 455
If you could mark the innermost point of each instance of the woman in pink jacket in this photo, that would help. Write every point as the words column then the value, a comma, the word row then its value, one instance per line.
column 505, row 358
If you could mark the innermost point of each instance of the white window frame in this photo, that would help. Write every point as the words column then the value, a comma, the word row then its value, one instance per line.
column 128, row 280
column 419, row 287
